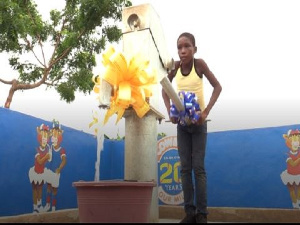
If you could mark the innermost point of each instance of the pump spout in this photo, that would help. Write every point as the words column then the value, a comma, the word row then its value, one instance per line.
column 105, row 93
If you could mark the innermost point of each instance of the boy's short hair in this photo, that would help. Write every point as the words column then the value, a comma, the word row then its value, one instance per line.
column 189, row 36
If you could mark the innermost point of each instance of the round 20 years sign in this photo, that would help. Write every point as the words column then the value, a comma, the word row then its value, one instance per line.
column 169, row 182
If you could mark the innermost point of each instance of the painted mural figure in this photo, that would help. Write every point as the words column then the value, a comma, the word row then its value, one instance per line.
column 291, row 176
column 37, row 172
column 56, row 163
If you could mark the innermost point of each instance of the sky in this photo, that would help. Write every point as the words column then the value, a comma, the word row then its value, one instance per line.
column 251, row 46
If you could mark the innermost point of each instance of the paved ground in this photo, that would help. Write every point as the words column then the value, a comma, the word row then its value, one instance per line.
column 169, row 221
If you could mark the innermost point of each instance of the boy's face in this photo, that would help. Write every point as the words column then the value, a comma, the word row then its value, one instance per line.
column 186, row 50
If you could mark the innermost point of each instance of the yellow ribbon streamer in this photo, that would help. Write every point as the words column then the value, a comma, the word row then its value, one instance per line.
column 95, row 121
column 132, row 83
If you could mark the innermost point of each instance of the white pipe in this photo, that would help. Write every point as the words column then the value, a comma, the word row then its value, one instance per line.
column 168, row 88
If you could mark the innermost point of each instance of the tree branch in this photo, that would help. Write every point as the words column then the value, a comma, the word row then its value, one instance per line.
column 58, row 40
column 66, row 50
column 6, row 82
column 39, row 41
column 31, row 48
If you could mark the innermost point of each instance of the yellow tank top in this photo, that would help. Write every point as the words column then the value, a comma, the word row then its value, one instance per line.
column 191, row 83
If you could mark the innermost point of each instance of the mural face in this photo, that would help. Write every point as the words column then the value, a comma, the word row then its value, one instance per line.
column 43, row 135
column 50, row 159
column 291, row 176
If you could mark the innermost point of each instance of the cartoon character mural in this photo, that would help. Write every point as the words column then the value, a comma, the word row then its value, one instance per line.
column 37, row 172
column 56, row 163
column 291, row 176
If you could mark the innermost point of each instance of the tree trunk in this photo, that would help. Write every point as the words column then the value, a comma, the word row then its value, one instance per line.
column 11, row 94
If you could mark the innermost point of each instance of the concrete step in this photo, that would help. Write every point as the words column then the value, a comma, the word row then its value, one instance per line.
column 173, row 214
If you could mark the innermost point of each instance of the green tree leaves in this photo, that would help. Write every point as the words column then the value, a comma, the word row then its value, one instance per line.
column 58, row 53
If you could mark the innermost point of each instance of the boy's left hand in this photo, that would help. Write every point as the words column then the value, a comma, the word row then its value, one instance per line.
column 202, row 118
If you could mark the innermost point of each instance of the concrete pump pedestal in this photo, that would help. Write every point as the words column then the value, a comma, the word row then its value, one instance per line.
column 140, row 152
column 143, row 34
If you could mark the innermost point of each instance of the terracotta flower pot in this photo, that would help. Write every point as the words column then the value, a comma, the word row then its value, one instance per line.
column 112, row 201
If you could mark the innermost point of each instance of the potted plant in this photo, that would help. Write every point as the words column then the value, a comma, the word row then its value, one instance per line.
column 127, row 200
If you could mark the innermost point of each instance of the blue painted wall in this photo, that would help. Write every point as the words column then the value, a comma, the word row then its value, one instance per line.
column 243, row 167
column 18, row 138
column 112, row 160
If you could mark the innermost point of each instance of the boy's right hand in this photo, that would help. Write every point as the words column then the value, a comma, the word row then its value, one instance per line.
column 174, row 120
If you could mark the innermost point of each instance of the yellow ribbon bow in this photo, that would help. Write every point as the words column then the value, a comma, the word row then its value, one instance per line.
column 131, row 81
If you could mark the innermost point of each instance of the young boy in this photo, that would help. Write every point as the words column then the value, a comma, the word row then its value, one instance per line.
column 191, row 139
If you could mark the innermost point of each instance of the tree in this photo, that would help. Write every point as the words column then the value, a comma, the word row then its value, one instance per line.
column 75, row 35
